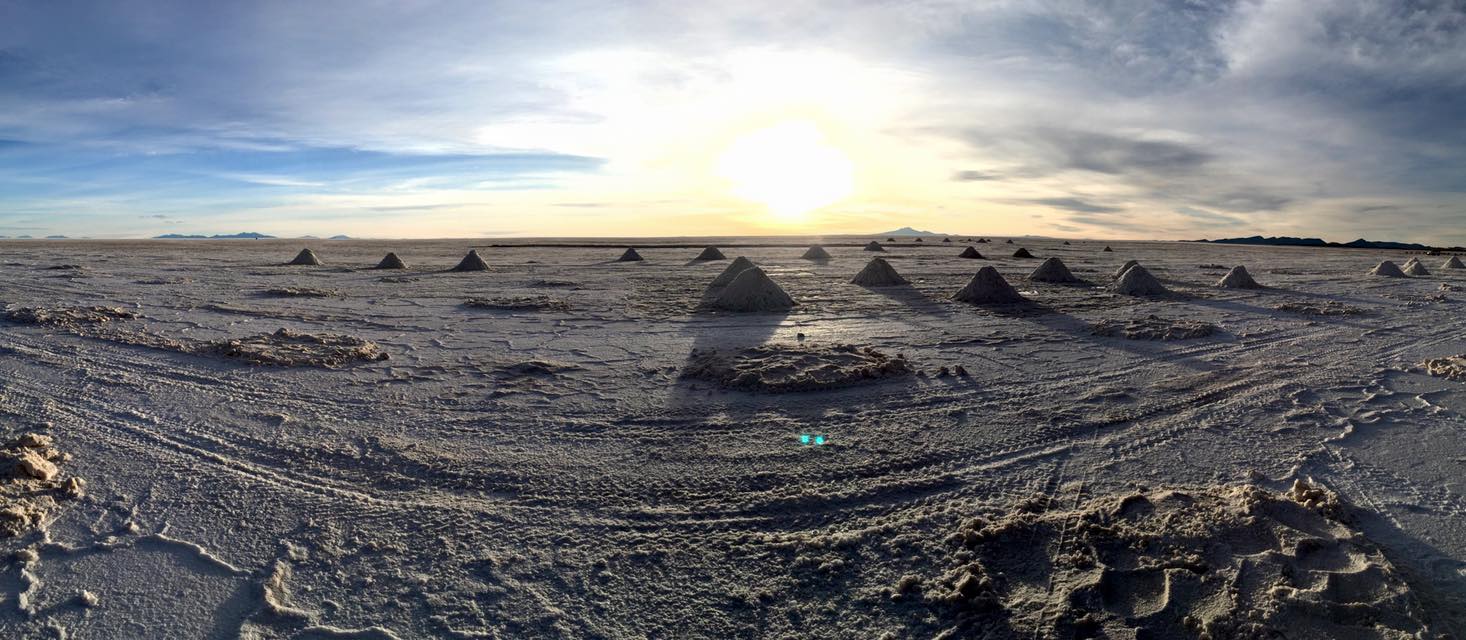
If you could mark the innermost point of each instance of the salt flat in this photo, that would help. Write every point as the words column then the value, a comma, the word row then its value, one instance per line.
column 541, row 464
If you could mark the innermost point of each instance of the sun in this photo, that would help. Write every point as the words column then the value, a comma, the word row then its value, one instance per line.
column 789, row 168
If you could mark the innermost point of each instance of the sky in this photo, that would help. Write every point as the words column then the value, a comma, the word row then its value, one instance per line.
column 410, row 118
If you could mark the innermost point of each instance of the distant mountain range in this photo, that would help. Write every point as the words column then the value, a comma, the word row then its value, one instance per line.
column 1286, row 241
column 908, row 231
column 248, row 235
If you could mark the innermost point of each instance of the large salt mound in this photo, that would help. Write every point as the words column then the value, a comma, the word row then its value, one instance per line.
column 1387, row 269
column 286, row 348
column 989, row 287
column 1022, row 253
column 816, row 253
column 31, row 483
column 783, row 368
column 630, row 255
column 1137, row 281
column 710, row 253
column 752, row 290
column 391, row 261
column 737, row 266
column 1182, row 562
column 878, row 273
column 471, row 262
column 1416, row 269
column 970, row 253
column 1453, row 263
column 1238, row 278
column 305, row 257
column 874, row 246
column 1053, row 270
column 1125, row 267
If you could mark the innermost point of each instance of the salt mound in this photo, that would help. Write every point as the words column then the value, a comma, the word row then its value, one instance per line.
column 288, row 348
column 878, row 273
column 874, row 246
column 1452, row 367
column 777, row 368
column 816, row 253
column 946, row 239
column 1416, row 269
column 970, row 253
column 1066, row 243
column 305, row 257
column 1022, row 253
column 1412, row 260
column 1137, row 281
column 1453, row 263
column 1181, row 562
column 711, row 253
column 391, row 261
column 630, row 255
column 1053, row 270
column 752, row 290
column 1107, row 249
column 1387, row 269
column 1238, row 278
column 989, row 287
column 739, row 265
column 31, row 483
column 1125, row 267
column 1153, row 328
column 1010, row 241
column 471, row 262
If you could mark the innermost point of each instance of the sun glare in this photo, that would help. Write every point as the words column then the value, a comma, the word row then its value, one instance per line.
column 789, row 168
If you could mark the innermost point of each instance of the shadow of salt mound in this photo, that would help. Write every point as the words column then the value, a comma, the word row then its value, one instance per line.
column 1159, row 350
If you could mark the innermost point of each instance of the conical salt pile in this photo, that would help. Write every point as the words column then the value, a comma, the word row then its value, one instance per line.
column 1022, row 253
column 1387, row 269
column 471, row 262
column 971, row 253
column 391, row 261
column 752, row 290
column 711, row 253
column 305, row 257
column 1108, row 249
column 874, row 246
column 1125, row 267
column 1053, row 270
column 1416, row 269
column 1238, row 278
column 817, row 253
column 739, row 265
column 946, row 239
column 1010, row 241
column 988, row 287
column 1453, row 263
column 1138, row 281
column 878, row 273
column 1066, row 243
column 630, row 255
column 917, row 240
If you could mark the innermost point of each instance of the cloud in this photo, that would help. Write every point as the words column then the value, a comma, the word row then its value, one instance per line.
column 1076, row 204
column 973, row 176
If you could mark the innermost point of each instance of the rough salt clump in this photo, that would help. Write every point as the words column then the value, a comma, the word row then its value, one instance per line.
column 1451, row 367
column 32, row 484
column 301, row 292
column 780, row 368
column 1153, row 328
column 69, row 317
column 1325, row 308
column 286, row 348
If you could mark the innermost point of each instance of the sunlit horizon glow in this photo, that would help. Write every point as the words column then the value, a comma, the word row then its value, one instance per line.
column 460, row 119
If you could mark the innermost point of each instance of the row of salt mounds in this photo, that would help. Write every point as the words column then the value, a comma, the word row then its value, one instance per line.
column 781, row 368
column 1053, row 270
column 1181, row 562
column 630, row 255
column 1138, row 281
column 31, row 484
column 1387, row 269
column 745, row 287
column 286, row 348
column 970, row 253
column 879, row 273
column 1238, row 278
column 1153, row 328
column 874, row 246
column 989, row 288
column 816, row 252
column 710, row 253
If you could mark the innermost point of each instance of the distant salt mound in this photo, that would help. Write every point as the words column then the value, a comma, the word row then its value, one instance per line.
column 286, row 348
column 946, row 239
column 817, row 252
column 1053, row 270
column 874, row 246
column 1387, row 269
column 739, row 265
column 1125, row 267
column 989, row 288
column 1107, row 249
column 32, row 485
column 471, row 262
column 1153, row 328
column 1022, row 253
column 1010, row 241
column 1453, row 263
column 1138, row 281
column 630, row 255
column 1416, row 269
column 1175, row 562
column 1066, row 243
column 710, row 253
column 752, row 291
column 970, row 253
column 391, row 261
column 1238, row 278
column 879, row 273
column 306, row 257
column 781, row 368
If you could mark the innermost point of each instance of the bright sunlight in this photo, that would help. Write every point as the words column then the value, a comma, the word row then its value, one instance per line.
column 789, row 168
